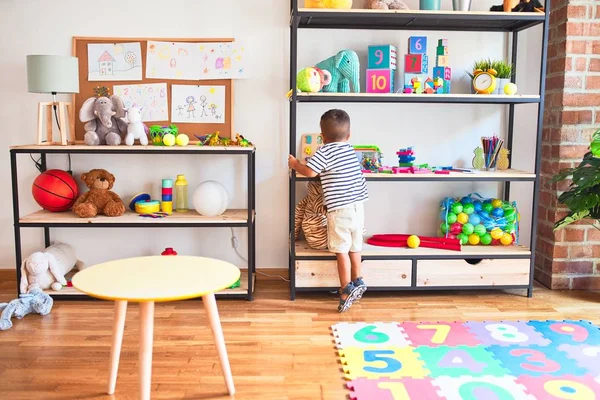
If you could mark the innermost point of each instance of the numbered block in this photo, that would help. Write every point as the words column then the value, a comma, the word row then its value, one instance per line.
column 441, row 61
column 460, row 360
column 392, row 389
column 360, row 335
column 536, row 361
column 417, row 45
column 438, row 334
column 506, row 333
column 425, row 64
column 447, row 86
column 442, row 72
column 383, row 57
column 413, row 63
column 584, row 355
column 373, row 363
column 380, row 80
column 571, row 332
column 441, row 50
column 481, row 388
column 565, row 387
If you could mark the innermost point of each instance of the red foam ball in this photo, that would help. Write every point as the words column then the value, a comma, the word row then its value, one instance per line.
column 456, row 228
column 55, row 190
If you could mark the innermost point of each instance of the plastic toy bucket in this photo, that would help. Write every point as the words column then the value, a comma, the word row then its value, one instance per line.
column 430, row 4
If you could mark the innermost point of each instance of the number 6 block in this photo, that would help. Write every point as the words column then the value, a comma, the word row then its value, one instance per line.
column 417, row 45
column 380, row 81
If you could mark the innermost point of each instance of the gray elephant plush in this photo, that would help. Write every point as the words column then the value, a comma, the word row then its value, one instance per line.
column 34, row 301
column 345, row 72
column 102, row 118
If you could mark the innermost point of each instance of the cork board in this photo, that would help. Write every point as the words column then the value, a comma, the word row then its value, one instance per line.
column 86, row 88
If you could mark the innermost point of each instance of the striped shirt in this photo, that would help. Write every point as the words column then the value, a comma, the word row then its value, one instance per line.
column 341, row 176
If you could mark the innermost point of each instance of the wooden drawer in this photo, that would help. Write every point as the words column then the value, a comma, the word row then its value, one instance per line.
column 461, row 273
column 376, row 273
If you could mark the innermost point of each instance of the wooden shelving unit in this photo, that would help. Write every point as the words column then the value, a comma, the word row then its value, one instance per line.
column 240, row 218
column 496, row 267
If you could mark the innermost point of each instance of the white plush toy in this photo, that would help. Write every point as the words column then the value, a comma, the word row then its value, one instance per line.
column 47, row 269
column 135, row 127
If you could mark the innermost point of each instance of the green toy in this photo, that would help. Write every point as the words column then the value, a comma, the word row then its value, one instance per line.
column 157, row 132
column 344, row 68
column 237, row 284
column 312, row 80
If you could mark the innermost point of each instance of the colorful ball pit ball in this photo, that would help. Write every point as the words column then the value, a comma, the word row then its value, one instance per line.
column 474, row 239
column 457, row 208
column 497, row 212
column 468, row 229
column 478, row 205
column 462, row 218
column 486, row 239
column 468, row 208
column 496, row 233
column 465, row 200
column 451, row 236
column 497, row 203
column 510, row 214
column 487, row 207
column 444, row 227
column 456, row 228
column 474, row 219
column 464, row 239
column 479, row 230
column 451, row 218
column 506, row 239
column 413, row 241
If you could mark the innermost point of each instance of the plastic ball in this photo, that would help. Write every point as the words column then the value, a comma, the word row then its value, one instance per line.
column 444, row 227
column 496, row 233
column 182, row 140
column 510, row 228
column 496, row 242
column 465, row 200
column 464, row 239
column 462, row 218
column 451, row 236
column 474, row 219
column 478, row 205
column 496, row 203
column 506, row 239
column 413, row 241
column 510, row 89
column 486, row 239
column 447, row 202
column 487, row 207
column 456, row 228
column 55, row 190
column 451, row 218
column 497, row 212
column 210, row 199
column 474, row 239
column 169, row 139
column 468, row 208
column 510, row 215
column 468, row 229
column 479, row 230
column 457, row 208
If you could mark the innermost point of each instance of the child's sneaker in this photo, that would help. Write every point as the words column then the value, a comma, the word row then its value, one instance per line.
column 346, row 303
column 360, row 286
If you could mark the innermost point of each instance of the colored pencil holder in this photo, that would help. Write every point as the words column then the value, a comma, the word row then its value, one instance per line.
column 431, row 5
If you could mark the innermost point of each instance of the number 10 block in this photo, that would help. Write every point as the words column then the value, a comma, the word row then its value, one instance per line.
column 380, row 81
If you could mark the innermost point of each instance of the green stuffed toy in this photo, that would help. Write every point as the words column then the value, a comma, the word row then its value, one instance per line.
column 344, row 68
column 312, row 80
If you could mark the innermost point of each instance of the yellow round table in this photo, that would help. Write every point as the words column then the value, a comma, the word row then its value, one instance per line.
column 147, row 280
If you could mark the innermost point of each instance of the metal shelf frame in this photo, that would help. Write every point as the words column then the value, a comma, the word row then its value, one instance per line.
column 43, row 151
column 415, row 21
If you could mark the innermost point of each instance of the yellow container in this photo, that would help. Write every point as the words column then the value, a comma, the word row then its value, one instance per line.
column 167, row 207
column 181, row 194
column 147, row 207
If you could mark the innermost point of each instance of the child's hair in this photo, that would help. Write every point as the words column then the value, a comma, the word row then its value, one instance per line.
column 190, row 99
column 335, row 125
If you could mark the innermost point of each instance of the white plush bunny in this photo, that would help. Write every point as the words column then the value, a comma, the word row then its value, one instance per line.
column 135, row 127
column 47, row 269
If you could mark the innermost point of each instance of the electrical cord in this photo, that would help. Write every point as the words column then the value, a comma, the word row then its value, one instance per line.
column 234, row 244
column 60, row 130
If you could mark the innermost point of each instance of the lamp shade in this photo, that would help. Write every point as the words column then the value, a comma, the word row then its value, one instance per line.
column 52, row 74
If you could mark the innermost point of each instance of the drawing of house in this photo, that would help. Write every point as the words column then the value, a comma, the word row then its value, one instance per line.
column 105, row 63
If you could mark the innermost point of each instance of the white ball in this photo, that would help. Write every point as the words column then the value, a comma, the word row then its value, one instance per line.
column 210, row 199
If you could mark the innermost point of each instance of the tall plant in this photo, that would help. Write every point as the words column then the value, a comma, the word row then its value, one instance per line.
column 583, row 196
column 504, row 69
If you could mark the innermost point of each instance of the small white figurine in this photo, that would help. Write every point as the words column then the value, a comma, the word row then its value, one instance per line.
column 135, row 127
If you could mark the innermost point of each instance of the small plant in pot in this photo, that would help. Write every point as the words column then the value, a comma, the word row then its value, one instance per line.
column 505, row 73
column 583, row 196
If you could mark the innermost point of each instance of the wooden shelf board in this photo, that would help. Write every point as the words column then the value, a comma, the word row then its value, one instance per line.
column 476, row 175
column 416, row 98
column 243, row 289
column 190, row 217
column 303, row 250
column 138, row 148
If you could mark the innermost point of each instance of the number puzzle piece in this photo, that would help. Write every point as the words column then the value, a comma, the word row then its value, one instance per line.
column 381, row 362
column 573, row 332
column 536, row 361
column 481, row 388
column 380, row 81
column 438, row 334
column 460, row 360
column 506, row 333
column 413, row 63
column 363, row 335
column 382, row 57
column 441, row 61
column 584, row 355
column 565, row 387
column 441, row 51
column 310, row 143
column 417, row 45
column 392, row 389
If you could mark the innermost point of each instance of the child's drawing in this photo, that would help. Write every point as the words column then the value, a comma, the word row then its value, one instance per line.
column 152, row 97
column 172, row 60
column 198, row 104
column 114, row 61
column 222, row 60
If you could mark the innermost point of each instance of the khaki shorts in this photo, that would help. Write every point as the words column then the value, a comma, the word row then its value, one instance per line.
column 345, row 229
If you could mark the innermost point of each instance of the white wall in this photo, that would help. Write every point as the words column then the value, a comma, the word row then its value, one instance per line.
column 441, row 134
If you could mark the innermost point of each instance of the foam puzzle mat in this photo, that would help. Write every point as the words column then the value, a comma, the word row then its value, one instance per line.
column 489, row 360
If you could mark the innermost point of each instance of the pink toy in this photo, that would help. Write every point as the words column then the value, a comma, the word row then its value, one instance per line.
column 442, row 172
column 380, row 81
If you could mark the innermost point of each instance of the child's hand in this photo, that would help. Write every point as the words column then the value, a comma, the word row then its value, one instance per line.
column 292, row 162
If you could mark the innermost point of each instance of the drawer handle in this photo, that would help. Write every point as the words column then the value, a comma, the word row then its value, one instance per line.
column 403, row 276
column 473, row 261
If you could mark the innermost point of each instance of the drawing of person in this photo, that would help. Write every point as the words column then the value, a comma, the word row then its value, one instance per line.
column 213, row 109
column 190, row 100
column 180, row 110
column 203, row 103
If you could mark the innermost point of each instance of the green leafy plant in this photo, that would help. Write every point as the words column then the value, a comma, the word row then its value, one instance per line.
column 504, row 69
column 583, row 196
column 483, row 64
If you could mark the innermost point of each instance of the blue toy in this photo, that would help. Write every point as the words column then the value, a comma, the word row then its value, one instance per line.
column 33, row 301
column 382, row 57
column 417, row 45
column 344, row 68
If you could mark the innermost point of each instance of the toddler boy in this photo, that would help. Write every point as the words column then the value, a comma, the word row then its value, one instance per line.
column 344, row 191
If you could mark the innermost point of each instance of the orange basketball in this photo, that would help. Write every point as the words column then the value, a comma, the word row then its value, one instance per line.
column 55, row 190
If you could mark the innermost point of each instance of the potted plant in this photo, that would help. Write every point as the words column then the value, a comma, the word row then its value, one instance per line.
column 583, row 196
column 505, row 72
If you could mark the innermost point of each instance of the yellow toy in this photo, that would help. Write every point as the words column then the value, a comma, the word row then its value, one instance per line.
column 478, row 161
column 484, row 82
column 510, row 89
column 503, row 162
column 341, row 4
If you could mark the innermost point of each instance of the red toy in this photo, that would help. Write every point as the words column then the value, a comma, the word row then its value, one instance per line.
column 55, row 190
column 394, row 240
column 169, row 252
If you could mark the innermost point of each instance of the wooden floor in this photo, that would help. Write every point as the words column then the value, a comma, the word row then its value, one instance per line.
column 278, row 349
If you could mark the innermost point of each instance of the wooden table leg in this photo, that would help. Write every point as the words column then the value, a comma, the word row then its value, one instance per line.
column 146, row 336
column 210, row 305
column 117, row 340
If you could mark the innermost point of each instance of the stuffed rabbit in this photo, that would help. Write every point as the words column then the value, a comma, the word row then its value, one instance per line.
column 47, row 269
column 34, row 301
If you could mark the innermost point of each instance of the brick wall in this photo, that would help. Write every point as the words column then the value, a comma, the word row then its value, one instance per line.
column 569, row 259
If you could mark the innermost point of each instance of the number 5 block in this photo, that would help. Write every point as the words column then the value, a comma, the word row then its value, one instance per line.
column 413, row 63
column 417, row 45
column 382, row 57
column 380, row 81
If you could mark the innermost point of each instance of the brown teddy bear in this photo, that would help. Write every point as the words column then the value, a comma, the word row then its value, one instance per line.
column 99, row 199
